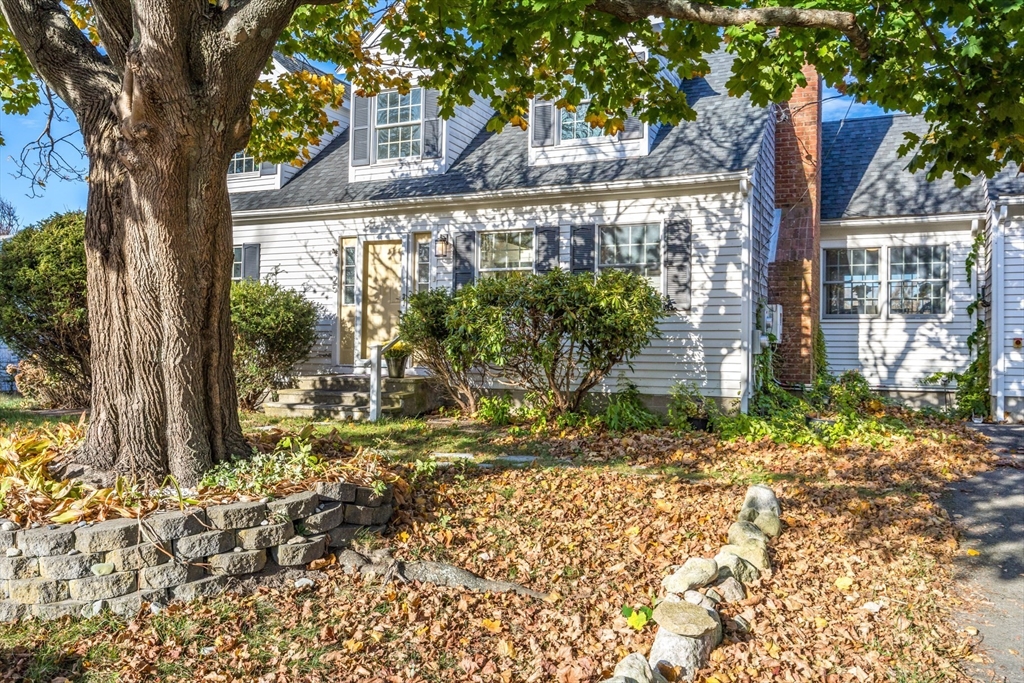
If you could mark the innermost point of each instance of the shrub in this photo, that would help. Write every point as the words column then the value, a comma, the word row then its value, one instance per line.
column 274, row 328
column 451, row 355
column 557, row 335
column 495, row 409
column 685, row 403
column 43, row 308
column 626, row 411
column 47, row 389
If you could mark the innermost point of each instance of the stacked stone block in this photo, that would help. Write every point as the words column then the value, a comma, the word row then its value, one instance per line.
column 77, row 570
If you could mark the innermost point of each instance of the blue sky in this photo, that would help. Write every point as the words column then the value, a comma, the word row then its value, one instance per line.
column 60, row 195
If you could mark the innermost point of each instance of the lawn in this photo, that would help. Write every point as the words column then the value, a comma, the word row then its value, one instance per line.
column 862, row 588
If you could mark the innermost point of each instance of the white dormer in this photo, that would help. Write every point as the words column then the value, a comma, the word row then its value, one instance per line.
column 246, row 175
column 560, row 136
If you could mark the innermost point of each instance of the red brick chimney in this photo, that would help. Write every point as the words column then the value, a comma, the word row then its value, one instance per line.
column 794, row 277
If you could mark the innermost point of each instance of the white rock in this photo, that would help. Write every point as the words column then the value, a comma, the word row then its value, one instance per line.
column 265, row 522
column 696, row 572
column 96, row 608
column 236, row 550
column 690, row 654
column 304, row 583
column 635, row 668
column 102, row 569
column 762, row 498
column 209, row 650
column 8, row 526
column 12, row 552
column 155, row 608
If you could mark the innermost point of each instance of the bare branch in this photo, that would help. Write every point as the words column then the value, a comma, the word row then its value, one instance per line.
column 51, row 154
column 713, row 15
column 8, row 218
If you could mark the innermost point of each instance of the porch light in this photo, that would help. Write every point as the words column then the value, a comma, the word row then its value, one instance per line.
column 442, row 247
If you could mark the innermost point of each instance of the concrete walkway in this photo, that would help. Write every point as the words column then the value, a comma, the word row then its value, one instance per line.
column 989, row 511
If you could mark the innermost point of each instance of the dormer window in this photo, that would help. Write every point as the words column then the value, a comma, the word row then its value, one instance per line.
column 392, row 127
column 242, row 163
column 398, row 124
column 575, row 125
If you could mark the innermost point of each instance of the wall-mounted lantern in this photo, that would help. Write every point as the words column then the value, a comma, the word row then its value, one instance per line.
column 442, row 246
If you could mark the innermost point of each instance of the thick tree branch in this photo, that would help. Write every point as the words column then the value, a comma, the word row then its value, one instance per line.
column 82, row 77
column 713, row 15
column 114, row 24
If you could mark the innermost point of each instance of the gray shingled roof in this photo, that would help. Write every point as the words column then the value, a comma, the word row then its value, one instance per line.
column 724, row 138
column 863, row 176
column 1008, row 183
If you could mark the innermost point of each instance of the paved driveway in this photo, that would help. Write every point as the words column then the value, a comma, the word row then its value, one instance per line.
column 989, row 510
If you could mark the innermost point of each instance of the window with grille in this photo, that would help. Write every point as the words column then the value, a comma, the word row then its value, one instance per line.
column 575, row 125
column 852, row 281
column 398, row 124
column 636, row 248
column 242, row 163
column 918, row 280
column 421, row 267
column 348, row 276
column 236, row 267
column 506, row 252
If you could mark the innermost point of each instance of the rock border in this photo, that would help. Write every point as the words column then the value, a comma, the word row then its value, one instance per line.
column 689, row 626
column 48, row 572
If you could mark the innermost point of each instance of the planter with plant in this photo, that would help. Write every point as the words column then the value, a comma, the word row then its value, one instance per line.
column 397, row 356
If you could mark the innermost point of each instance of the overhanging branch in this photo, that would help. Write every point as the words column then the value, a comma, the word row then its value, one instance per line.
column 713, row 15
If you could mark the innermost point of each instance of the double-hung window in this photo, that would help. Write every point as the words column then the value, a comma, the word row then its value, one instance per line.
column 575, row 125
column 398, row 126
column 636, row 248
column 918, row 280
column 236, row 266
column 241, row 162
column 502, row 253
column 852, row 281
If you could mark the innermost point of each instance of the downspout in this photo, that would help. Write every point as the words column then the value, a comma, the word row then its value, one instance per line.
column 997, row 345
column 746, row 310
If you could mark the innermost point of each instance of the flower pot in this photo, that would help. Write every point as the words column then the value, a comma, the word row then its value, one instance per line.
column 396, row 369
column 698, row 424
column 977, row 419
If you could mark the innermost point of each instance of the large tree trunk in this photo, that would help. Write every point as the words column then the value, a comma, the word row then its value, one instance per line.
column 159, row 251
column 161, row 113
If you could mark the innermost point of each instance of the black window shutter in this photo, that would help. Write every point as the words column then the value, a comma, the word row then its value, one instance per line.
column 251, row 262
column 543, row 123
column 678, row 247
column 583, row 248
column 545, row 249
column 360, row 138
column 464, row 271
column 633, row 128
column 431, row 126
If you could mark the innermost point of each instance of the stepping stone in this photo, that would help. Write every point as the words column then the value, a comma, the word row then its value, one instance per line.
column 452, row 456
column 517, row 459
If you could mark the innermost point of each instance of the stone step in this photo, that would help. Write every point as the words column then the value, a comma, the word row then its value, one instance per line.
column 324, row 397
column 333, row 383
column 325, row 411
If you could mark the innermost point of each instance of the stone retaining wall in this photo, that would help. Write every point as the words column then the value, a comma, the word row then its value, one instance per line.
column 57, row 570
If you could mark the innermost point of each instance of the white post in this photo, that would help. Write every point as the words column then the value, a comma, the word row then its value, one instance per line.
column 375, row 389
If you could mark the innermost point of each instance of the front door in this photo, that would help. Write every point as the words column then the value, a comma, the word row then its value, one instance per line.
column 382, row 293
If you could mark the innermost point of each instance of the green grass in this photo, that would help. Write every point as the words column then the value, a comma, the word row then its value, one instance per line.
column 17, row 412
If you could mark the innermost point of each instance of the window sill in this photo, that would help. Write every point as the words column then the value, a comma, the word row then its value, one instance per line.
column 246, row 175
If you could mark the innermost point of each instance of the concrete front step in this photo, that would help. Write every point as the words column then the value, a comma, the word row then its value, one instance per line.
column 325, row 410
column 333, row 383
column 324, row 396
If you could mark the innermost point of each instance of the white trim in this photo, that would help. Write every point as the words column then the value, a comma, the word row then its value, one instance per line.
column 899, row 220
column 389, row 207
column 747, row 302
column 997, row 343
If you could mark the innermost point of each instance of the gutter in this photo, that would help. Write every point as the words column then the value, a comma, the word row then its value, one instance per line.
column 458, row 201
column 901, row 220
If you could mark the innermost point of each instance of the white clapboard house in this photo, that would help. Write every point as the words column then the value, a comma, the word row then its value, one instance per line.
column 742, row 217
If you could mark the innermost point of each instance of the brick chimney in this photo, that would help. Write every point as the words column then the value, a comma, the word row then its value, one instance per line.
column 794, row 277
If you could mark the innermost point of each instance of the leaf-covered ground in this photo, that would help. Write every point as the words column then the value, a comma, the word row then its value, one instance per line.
column 862, row 588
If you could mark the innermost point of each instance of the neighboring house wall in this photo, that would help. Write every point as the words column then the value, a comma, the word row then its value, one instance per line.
column 7, row 357
column 897, row 352
column 702, row 345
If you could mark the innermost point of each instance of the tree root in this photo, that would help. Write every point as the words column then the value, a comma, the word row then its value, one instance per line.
column 380, row 563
